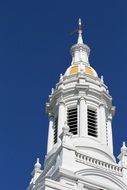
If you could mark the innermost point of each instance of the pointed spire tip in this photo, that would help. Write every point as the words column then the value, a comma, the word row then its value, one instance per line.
column 80, row 40
column 79, row 22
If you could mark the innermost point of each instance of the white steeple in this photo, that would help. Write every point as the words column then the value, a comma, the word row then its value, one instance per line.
column 82, row 100
column 80, row 145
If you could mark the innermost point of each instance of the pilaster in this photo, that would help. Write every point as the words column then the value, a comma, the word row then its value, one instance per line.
column 102, row 123
column 61, row 116
column 109, row 128
column 82, row 117
column 50, row 133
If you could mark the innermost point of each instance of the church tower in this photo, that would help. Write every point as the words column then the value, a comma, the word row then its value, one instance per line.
column 80, row 146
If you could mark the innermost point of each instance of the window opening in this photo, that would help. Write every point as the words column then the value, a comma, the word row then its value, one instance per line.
column 55, row 129
column 92, row 122
column 72, row 120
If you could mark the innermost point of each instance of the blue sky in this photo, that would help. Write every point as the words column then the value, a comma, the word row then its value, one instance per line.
column 34, row 49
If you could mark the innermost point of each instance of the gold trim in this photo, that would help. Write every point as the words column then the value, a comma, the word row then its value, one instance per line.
column 74, row 70
column 89, row 71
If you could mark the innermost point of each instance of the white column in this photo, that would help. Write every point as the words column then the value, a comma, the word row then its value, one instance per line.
column 50, row 133
column 109, row 128
column 82, row 117
column 102, row 123
column 61, row 117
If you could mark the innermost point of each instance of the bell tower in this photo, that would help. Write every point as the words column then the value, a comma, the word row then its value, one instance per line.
column 81, row 101
column 80, row 146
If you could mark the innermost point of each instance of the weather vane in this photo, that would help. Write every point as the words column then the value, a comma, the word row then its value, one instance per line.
column 79, row 29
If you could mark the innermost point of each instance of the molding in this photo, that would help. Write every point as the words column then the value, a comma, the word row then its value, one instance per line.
column 81, row 87
column 111, row 168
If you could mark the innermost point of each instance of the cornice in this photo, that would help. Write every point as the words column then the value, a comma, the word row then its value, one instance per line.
column 102, row 165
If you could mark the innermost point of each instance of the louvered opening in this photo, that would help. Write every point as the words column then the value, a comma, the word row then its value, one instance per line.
column 72, row 120
column 92, row 122
column 55, row 129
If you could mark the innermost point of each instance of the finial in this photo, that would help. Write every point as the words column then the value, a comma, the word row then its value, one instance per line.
column 61, row 77
column 37, row 164
column 123, row 156
column 124, row 148
column 102, row 78
column 38, row 160
column 80, row 40
column 52, row 91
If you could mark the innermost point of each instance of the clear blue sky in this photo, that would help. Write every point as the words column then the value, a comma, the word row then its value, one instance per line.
column 34, row 50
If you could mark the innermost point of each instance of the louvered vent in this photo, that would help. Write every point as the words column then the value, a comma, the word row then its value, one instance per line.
column 72, row 120
column 55, row 129
column 92, row 122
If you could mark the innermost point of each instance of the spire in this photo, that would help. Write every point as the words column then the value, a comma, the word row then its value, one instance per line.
column 80, row 51
column 80, row 39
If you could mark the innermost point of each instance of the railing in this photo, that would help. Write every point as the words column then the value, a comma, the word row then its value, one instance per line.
column 98, row 163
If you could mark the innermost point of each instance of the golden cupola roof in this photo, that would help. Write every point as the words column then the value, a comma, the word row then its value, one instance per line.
column 74, row 69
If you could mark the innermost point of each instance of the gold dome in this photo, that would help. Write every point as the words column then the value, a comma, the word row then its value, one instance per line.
column 74, row 69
